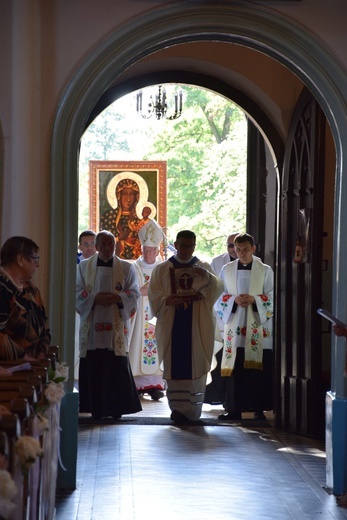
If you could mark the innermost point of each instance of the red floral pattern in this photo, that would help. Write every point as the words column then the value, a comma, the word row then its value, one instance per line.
column 228, row 347
column 105, row 326
column 234, row 337
column 223, row 304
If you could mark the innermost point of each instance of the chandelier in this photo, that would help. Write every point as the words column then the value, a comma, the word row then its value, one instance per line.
column 158, row 105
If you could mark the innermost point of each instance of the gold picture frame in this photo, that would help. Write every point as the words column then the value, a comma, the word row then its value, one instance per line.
column 106, row 178
column 103, row 176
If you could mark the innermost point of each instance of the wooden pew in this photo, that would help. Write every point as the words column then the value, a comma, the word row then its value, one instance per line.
column 19, row 393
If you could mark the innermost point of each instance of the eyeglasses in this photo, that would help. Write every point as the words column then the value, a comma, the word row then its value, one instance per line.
column 35, row 258
column 87, row 244
column 231, row 245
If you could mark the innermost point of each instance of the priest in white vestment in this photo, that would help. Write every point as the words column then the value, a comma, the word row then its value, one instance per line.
column 143, row 351
column 246, row 308
column 215, row 389
column 106, row 299
column 182, row 291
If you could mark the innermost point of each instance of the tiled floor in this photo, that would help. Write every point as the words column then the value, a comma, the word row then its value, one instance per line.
column 237, row 471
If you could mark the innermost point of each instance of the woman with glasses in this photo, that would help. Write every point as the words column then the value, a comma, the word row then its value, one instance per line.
column 23, row 322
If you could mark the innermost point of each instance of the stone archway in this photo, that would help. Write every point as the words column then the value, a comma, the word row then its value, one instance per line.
column 250, row 26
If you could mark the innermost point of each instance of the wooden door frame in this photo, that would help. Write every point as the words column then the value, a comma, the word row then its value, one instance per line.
column 300, row 396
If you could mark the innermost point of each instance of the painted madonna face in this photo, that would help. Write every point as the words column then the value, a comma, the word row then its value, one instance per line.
column 128, row 199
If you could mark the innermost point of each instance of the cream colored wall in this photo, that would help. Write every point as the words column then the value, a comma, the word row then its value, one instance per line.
column 75, row 27
column 324, row 19
column 25, row 125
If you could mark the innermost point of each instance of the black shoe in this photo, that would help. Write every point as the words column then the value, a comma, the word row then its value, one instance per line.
column 178, row 417
column 230, row 416
column 116, row 417
column 156, row 394
column 259, row 416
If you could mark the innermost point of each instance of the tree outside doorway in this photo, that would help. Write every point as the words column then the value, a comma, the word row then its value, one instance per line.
column 206, row 154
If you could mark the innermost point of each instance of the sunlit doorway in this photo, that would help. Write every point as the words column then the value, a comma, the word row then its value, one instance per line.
column 205, row 150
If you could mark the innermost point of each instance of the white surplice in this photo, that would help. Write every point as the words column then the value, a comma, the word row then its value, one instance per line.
column 100, row 323
column 246, row 327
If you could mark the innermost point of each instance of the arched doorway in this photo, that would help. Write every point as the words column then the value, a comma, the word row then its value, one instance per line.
column 265, row 145
column 251, row 27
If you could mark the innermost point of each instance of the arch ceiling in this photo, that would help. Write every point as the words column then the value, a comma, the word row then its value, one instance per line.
column 230, row 69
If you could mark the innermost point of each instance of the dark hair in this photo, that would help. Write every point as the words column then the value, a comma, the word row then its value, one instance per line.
column 86, row 233
column 101, row 233
column 244, row 237
column 186, row 234
column 15, row 246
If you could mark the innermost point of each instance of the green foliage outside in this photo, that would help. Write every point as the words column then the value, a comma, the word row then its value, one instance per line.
column 206, row 154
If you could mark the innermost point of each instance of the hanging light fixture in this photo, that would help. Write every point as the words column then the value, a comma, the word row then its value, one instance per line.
column 158, row 105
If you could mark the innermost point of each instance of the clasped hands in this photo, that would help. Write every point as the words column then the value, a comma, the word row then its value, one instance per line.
column 243, row 300
column 107, row 298
column 144, row 289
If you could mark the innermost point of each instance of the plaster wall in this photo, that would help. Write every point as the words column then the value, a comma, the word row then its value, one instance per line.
column 75, row 27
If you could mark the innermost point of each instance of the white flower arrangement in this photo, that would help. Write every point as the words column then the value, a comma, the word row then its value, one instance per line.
column 8, row 488
column 61, row 372
column 42, row 424
column 27, row 449
column 54, row 392
column 8, row 491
